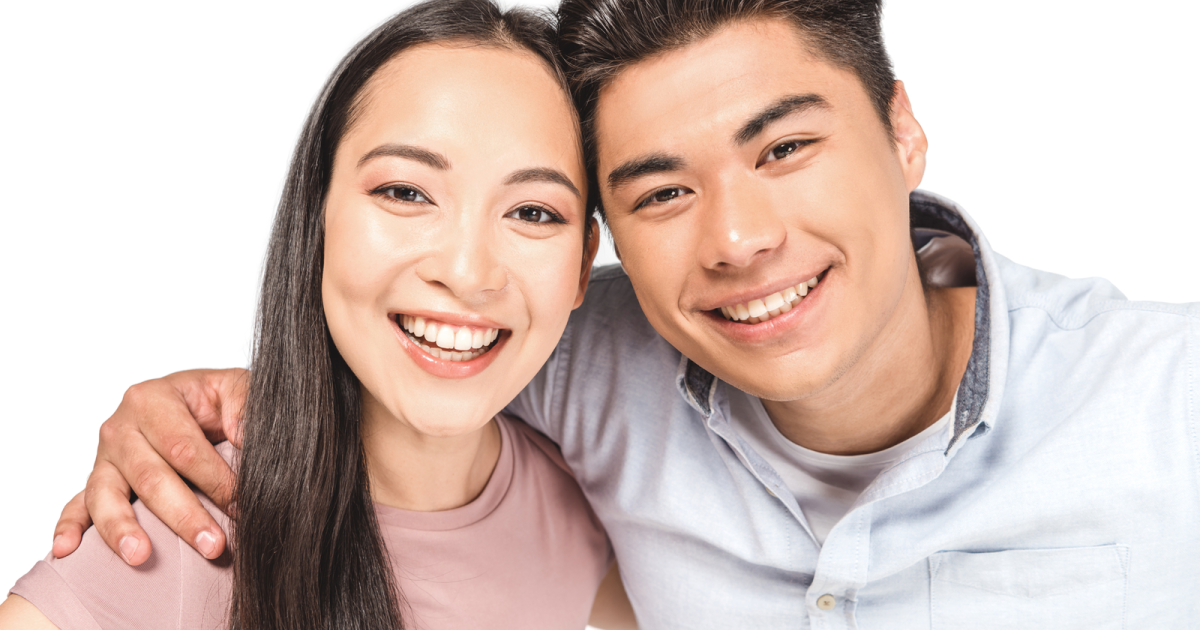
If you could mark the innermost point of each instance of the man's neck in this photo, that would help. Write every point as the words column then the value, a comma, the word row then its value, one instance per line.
column 903, row 383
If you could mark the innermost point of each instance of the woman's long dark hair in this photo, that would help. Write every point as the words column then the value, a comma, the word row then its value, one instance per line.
column 307, row 548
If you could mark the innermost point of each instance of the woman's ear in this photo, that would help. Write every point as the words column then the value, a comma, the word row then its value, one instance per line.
column 591, row 244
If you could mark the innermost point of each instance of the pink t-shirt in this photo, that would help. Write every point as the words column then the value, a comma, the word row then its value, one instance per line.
column 527, row 553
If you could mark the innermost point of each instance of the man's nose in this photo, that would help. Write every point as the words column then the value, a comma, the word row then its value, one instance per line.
column 740, row 225
column 463, row 258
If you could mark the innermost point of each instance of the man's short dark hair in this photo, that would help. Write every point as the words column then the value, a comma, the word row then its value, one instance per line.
column 599, row 38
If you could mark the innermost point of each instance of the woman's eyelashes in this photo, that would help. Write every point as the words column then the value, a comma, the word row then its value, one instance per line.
column 528, row 213
column 402, row 193
column 535, row 214
column 661, row 196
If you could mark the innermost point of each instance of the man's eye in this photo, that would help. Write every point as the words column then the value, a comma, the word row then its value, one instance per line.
column 663, row 195
column 403, row 193
column 534, row 214
column 783, row 150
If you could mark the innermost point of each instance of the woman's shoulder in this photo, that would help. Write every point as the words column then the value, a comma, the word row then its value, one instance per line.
column 94, row 588
column 542, row 483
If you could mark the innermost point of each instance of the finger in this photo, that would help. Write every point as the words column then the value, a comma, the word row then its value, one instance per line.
column 233, row 391
column 68, row 532
column 158, row 412
column 215, row 399
column 184, row 447
column 107, row 500
column 165, row 494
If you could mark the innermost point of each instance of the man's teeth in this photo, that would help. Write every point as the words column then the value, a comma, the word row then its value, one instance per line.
column 774, row 305
column 449, row 343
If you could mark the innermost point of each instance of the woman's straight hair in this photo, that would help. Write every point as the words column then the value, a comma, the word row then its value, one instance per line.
column 307, row 550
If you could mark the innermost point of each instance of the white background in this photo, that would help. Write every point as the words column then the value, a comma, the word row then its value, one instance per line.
column 143, row 146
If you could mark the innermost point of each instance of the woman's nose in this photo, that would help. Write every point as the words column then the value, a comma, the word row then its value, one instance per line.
column 463, row 260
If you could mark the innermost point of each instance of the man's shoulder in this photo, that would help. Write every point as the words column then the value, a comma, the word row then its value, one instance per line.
column 609, row 289
column 1083, row 340
column 610, row 311
column 1076, row 303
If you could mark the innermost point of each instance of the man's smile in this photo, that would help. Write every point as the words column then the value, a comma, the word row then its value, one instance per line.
column 767, row 307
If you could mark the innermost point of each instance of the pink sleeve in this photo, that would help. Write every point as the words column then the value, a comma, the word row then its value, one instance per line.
column 93, row 589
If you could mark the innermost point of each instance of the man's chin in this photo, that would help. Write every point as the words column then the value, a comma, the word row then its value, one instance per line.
column 777, row 381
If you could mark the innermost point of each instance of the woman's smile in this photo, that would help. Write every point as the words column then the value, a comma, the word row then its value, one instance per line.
column 445, row 349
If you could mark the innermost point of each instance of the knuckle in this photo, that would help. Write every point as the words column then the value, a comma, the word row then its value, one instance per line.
column 148, row 480
column 136, row 396
column 109, row 430
column 93, row 490
column 183, row 453
column 187, row 525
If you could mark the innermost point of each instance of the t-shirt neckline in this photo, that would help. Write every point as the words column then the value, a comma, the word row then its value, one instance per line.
column 483, row 505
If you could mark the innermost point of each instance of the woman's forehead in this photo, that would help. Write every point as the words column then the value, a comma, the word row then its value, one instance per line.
column 471, row 94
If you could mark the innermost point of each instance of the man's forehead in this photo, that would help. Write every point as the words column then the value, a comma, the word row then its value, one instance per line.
column 718, row 82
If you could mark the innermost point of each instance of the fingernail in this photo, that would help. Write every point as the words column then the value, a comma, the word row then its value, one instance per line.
column 207, row 544
column 129, row 546
column 56, row 538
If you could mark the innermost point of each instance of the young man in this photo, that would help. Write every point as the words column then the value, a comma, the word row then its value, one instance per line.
column 778, row 419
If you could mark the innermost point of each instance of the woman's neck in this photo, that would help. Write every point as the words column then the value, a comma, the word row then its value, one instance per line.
column 415, row 471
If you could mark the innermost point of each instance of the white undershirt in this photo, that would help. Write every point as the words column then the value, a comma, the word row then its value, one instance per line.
column 825, row 486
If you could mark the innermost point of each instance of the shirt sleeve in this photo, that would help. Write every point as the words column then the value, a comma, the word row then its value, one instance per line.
column 93, row 588
column 530, row 405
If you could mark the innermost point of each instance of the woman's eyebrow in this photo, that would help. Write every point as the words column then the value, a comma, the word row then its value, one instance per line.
column 429, row 158
column 540, row 174
column 781, row 108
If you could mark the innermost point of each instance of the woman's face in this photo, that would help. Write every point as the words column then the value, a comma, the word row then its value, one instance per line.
column 454, row 235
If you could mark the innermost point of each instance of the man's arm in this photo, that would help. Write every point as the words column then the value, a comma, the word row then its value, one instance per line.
column 161, row 426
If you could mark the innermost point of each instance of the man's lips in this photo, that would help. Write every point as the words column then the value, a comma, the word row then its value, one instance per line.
column 771, row 305
column 768, row 328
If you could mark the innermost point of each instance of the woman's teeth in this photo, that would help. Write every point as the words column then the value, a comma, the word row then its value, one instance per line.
column 774, row 305
column 447, row 342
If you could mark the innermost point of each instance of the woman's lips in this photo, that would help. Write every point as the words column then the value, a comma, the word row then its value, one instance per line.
column 447, row 341
column 440, row 357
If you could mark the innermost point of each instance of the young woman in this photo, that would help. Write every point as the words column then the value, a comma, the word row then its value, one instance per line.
column 432, row 239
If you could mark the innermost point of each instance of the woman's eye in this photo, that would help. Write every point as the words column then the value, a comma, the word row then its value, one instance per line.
column 534, row 214
column 404, row 193
column 663, row 195
column 783, row 150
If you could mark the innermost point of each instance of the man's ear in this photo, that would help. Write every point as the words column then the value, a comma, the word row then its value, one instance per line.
column 910, row 141
column 591, row 245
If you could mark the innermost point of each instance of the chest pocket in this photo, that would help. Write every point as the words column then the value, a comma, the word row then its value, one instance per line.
column 1083, row 587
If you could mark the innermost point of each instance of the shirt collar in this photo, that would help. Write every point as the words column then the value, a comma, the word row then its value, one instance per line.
column 972, row 415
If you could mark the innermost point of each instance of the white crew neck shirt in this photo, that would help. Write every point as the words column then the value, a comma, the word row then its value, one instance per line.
column 825, row 486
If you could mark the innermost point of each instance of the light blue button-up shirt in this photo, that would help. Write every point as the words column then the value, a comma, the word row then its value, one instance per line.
column 1066, row 493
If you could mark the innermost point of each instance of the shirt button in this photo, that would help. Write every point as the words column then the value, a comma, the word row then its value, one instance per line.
column 826, row 602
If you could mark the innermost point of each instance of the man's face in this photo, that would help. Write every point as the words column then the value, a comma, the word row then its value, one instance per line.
column 737, row 169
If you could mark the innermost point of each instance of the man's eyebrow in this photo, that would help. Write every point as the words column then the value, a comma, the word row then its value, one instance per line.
column 785, row 106
column 641, row 167
column 540, row 175
column 424, row 156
